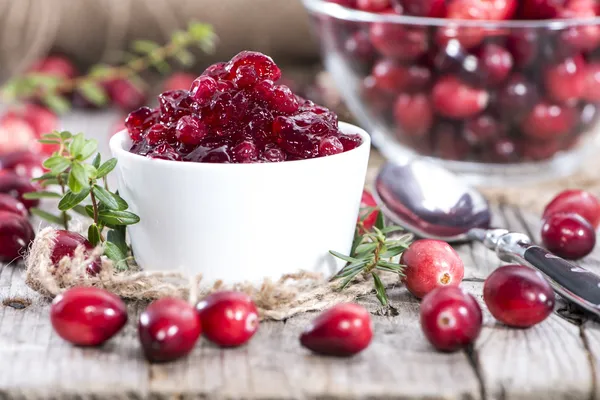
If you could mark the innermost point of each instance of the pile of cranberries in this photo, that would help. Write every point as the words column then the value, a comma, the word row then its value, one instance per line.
column 236, row 112
column 569, row 224
column 496, row 95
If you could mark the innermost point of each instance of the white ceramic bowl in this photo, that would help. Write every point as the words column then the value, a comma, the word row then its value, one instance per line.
column 242, row 222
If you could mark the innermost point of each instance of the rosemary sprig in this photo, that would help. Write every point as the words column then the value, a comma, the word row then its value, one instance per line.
column 145, row 54
column 80, row 181
column 373, row 251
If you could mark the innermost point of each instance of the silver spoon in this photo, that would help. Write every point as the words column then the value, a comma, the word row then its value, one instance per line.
column 433, row 203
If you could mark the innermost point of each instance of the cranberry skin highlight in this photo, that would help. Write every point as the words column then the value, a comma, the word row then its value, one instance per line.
column 568, row 235
column 450, row 318
column 518, row 296
column 430, row 264
column 168, row 329
column 87, row 316
column 65, row 244
column 343, row 330
column 16, row 186
column 12, row 205
column 575, row 201
column 228, row 318
column 15, row 235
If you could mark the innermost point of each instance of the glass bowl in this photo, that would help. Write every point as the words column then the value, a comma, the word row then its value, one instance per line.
column 498, row 102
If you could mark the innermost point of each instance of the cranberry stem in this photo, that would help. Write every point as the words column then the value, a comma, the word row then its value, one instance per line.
column 64, row 215
column 95, row 206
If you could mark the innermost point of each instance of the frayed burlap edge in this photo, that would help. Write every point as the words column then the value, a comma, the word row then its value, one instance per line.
column 290, row 295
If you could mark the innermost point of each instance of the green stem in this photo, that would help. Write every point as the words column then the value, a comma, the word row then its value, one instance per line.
column 95, row 206
column 64, row 215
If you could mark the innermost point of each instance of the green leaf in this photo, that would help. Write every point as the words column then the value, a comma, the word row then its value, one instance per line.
column 48, row 141
column 94, row 234
column 111, row 217
column 106, row 168
column 41, row 195
column 110, row 200
column 390, row 265
column 96, row 162
column 94, row 92
column 77, row 145
column 391, row 228
column 90, row 146
column 89, row 210
column 65, row 135
column 90, row 171
column 117, row 237
column 379, row 222
column 349, row 278
column 71, row 199
column 100, row 71
column 351, row 269
column 80, row 210
column 185, row 57
column 57, row 164
column 48, row 175
column 78, row 178
column 113, row 252
column 47, row 216
column 366, row 248
column 393, row 251
column 380, row 290
column 144, row 46
column 52, row 135
column 57, row 103
column 343, row 257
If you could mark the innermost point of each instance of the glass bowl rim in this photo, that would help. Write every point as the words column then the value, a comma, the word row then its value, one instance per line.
column 338, row 11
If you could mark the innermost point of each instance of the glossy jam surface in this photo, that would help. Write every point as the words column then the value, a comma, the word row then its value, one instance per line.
column 235, row 112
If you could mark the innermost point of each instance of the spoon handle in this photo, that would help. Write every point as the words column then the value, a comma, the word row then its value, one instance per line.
column 576, row 284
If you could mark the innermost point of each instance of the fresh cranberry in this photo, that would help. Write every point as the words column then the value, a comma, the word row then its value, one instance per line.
column 16, row 186
column 373, row 5
column 138, row 121
column 190, row 130
column 503, row 150
column 482, row 129
column 591, row 85
column 582, row 37
column 518, row 296
column 125, row 94
column 398, row 41
column 448, row 144
column 228, row 318
column 343, row 330
column 575, row 201
column 168, row 329
column 497, row 63
column 413, row 114
column 424, row 8
column 23, row 163
column 368, row 214
column 568, row 235
column 455, row 99
column 565, row 81
column 42, row 121
column 178, row 81
column 547, row 121
column 16, row 234
column 393, row 77
column 15, row 133
column 541, row 9
column 523, row 44
column 359, row 47
column 65, row 244
column 263, row 65
column 537, row 150
column 430, row 264
column 12, row 205
column 55, row 65
column 87, row 316
column 450, row 318
column 517, row 97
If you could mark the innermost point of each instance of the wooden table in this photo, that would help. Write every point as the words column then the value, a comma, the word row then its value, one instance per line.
column 558, row 359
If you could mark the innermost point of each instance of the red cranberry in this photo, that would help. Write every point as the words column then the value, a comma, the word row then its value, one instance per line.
column 42, row 121
column 190, row 130
column 273, row 153
column 178, row 81
column 541, row 9
column 87, row 316
column 450, row 318
column 368, row 215
column 517, row 97
column 216, row 71
column 55, row 65
column 497, row 63
column 157, row 134
column 393, row 77
column 359, row 47
column 503, row 150
column 165, row 152
column 373, row 5
column 263, row 65
column 518, row 296
column 482, row 129
column 125, row 94
column 430, row 264
column 591, row 85
column 15, row 235
column 203, row 89
column 23, row 163
column 413, row 114
column 245, row 152
column 343, row 330
column 575, row 201
column 15, row 133
column 568, row 235
column 12, row 205
column 168, row 329
column 138, row 121
column 449, row 145
column 398, row 41
column 228, row 318
column 523, row 45
column 16, row 186
column 547, row 121
column 455, row 99
column 175, row 104
column 65, row 244
column 565, row 81
column 584, row 37
column 537, row 150
column 330, row 145
column 283, row 100
column 424, row 8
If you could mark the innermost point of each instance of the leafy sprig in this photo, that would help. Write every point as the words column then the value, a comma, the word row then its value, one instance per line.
column 144, row 55
column 82, row 182
column 373, row 251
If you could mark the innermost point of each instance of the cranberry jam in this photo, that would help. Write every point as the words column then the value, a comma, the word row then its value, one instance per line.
column 470, row 86
column 235, row 112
